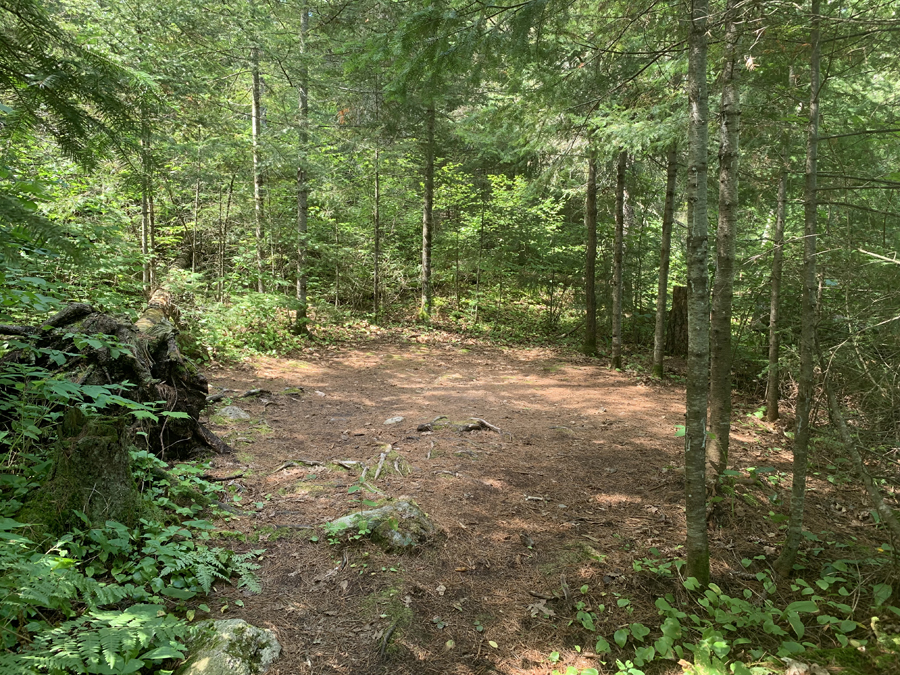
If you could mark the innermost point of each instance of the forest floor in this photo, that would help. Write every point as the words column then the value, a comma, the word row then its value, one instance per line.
column 585, row 479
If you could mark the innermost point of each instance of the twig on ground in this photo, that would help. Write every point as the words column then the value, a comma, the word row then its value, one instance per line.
column 387, row 637
column 296, row 462
column 486, row 424
column 217, row 479
column 380, row 466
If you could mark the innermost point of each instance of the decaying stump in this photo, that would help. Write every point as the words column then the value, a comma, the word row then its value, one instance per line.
column 676, row 323
column 140, row 362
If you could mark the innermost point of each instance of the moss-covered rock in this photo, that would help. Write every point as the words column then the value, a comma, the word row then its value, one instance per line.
column 230, row 647
column 400, row 525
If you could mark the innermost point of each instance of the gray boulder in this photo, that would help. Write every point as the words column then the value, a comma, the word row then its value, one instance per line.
column 400, row 525
column 232, row 412
column 231, row 647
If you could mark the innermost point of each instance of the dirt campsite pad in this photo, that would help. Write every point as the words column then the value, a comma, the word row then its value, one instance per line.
column 537, row 518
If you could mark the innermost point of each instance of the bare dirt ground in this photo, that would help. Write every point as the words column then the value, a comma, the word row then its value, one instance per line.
column 583, row 480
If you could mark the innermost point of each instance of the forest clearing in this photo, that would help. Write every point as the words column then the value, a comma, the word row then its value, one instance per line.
column 573, row 505
column 534, row 337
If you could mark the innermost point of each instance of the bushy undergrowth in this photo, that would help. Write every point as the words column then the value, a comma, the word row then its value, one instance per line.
column 110, row 599
column 249, row 325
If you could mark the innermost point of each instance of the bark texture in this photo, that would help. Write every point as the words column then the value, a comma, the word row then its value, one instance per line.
column 723, row 286
column 805, row 380
column 618, row 246
column 428, row 215
column 302, row 176
column 590, row 266
column 697, row 541
column 773, row 384
column 255, row 129
column 665, row 250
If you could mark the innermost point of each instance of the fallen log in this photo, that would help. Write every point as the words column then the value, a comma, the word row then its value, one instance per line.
column 138, row 361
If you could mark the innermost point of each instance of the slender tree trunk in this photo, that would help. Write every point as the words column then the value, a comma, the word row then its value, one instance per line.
column 590, row 266
column 376, row 276
column 428, row 215
column 194, row 247
column 146, row 168
column 723, row 286
column 697, row 543
column 223, row 240
column 617, row 262
column 478, row 267
column 665, row 250
column 302, row 177
column 806, row 377
column 255, row 113
column 773, row 386
column 152, row 231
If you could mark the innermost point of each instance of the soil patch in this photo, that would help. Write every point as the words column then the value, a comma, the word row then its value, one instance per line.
column 583, row 479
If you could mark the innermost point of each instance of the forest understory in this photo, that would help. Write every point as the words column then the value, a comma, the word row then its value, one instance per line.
column 568, row 519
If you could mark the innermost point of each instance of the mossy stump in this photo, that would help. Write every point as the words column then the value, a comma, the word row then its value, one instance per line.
column 91, row 474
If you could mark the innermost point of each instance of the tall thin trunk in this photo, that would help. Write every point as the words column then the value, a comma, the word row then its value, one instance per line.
column 806, row 376
column 478, row 264
column 428, row 214
column 223, row 239
column 152, row 210
column 697, row 541
column 255, row 113
column 723, row 286
column 376, row 280
column 146, row 168
column 665, row 250
column 196, row 203
column 302, row 177
column 617, row 261
column 590, row 265
column 773, row 385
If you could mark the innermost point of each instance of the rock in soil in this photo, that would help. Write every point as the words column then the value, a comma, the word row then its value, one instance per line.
column 231, row 647
column 401, row 525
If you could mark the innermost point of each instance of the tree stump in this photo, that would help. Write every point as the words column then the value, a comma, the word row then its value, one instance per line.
column 676, row 323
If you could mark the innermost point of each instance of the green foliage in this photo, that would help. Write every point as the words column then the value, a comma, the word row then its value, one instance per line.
column 250, row 325
column 107, row 599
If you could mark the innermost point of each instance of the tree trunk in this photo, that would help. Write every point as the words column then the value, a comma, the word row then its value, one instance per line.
column 255, row 115
column 376, row 217
column 194, row 247
column 428, row 215
column 300, row 326
column 697, row 542
column 773, row 385
column 677, row 323
column 665, row 250
column 146, row 182
column 590, row 271
column 723, row 286
column 617, row 262
column 806, row 377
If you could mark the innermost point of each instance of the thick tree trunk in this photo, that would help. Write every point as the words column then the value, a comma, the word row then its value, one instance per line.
column 590, row 271
column 302, row 178
column 428, row 215
column 697, row 542
column 617, row 261
column 256, row 120
column 773, row 384
column 806, row 377
column 665, row 251
column 723, row 286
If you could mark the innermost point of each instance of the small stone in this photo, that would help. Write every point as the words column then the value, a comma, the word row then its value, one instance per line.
column 232, row 412
column 394, row 420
